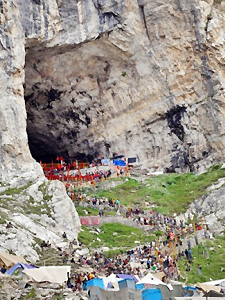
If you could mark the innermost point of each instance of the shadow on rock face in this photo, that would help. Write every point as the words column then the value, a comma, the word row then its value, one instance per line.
column 174, row 116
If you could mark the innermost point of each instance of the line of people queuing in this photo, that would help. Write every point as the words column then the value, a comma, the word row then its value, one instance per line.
column 159, row 255
column 155, row 220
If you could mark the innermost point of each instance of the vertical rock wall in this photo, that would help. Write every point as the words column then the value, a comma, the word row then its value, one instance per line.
column 14, row 152
column 139, row 77
column 17, row 167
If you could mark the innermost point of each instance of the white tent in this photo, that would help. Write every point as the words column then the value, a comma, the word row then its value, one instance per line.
column 113, row 280
column 159, row 275
column 208, row 287
column 151, row 279
column 220, row 282
column 52, row 274
column 10, row 260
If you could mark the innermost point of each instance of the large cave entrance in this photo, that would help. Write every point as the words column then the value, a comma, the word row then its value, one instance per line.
column 65, row 95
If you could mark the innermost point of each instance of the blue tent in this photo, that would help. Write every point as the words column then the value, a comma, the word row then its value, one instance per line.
column 96, row 282
column 140, row 286
column 126, row 276
column 151, row 294
column 119, row 162
column 190, row 288
column 105, row 161
column 191, row 291
column 124, row 283
column 17, row 268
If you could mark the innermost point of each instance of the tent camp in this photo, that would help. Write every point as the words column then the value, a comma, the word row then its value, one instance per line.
column 10, row 260
column 18, row 268
column 111, row 282
column 160, row 275
column 171, row 291
column 52, row 274
column 126, row 293
column 127, row 283
column 125, row 276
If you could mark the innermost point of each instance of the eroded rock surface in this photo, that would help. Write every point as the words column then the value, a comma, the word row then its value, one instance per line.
column 40, row 211
column 210, row 208
column 17, row 167
column 144, row 78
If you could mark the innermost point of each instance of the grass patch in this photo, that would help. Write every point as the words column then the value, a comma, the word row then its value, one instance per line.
column 171, row 193
column 114, row 253
column 91, row 211
column 212, row 262
column 31, row 294
column 32, row 207
column 110, row 213
column 3, row 217
column 49, row 257
column 16, row 191
column 86, row 237
column 125, row 237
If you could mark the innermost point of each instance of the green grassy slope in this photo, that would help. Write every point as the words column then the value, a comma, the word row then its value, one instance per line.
column 211, row 261
column 171, row 193
column 125, row 238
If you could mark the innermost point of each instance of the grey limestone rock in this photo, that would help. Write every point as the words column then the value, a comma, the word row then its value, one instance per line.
column 83, row 78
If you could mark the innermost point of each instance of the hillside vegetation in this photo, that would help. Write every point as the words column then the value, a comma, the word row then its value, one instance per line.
column 115, row 236
column 169, row 193
column 210, row 256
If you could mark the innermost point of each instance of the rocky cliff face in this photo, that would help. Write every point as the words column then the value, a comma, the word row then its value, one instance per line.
column 210, row 209
column 37, row 209
column 143, row 78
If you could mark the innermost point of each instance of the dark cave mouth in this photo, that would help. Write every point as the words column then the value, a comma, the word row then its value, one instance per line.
column 47, row 140
column 54, row 128
column 45, row 148
column 42, row 152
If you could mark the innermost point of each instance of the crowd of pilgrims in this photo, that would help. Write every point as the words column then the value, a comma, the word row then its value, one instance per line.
column 155, row 220
column 134, row 262
column 160, row 255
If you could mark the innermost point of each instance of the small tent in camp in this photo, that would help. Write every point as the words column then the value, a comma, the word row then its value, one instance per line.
column 96, row 282
column 126, row 283
column 126, row 276
column 170, row 291
column 52, row 274
column 111, row 282
column 126, row 293
column 10, row 260
column 208, row 287
column 119, row 162
column 151, row 294
column 17, row 269
column 151, row 279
